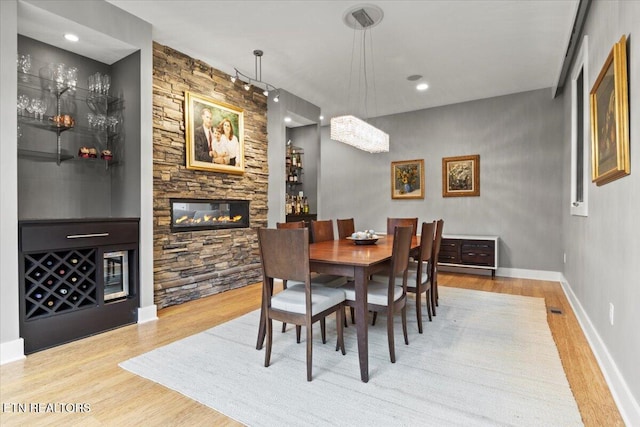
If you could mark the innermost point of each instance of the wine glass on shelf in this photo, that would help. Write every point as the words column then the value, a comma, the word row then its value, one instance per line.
column 23, row 102
column 24, row 65
column 31, row 108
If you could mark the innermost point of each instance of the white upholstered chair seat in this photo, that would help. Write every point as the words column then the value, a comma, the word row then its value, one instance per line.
column 376, row 292
column 293, row 298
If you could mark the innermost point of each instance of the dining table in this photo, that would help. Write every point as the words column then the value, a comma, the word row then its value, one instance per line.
column 346, row 257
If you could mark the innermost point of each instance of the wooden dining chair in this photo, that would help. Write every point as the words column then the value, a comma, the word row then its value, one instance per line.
column 419, row 277
column 392, row 223
column 321, row 230
column 346, row 227
column 434, row 264
column 289, row 225
column 385, row 296
column 284, row 255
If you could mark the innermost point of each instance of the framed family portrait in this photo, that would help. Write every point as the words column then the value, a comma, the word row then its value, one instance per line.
column 214, row 135
column 407, row 179
column 461, row 176
column 609, row 102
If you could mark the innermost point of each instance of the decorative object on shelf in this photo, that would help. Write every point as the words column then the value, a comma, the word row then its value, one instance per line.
column 610, row 118
column 106, row 155
column 461, row 176
column 348, row 128
column 64, row 120
column 215, row 135
column 93, row 153
column 83, row 152
column 257, row 81
column 407, row 179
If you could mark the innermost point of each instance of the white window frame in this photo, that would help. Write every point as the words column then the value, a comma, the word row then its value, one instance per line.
column 580, row 208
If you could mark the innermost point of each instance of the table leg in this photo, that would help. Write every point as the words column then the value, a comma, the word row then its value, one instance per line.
column 362, row 322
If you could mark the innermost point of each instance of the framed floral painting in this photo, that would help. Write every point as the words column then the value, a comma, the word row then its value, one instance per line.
column 461, row 176
column 407, row 179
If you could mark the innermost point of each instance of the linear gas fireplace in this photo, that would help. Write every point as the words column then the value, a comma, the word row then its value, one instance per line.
column 198, row 214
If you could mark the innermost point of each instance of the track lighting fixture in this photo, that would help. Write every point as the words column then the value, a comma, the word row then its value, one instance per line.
column 247, row 81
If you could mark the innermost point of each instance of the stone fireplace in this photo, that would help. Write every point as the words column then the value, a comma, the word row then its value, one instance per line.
column 213, row 250
column 198, row 214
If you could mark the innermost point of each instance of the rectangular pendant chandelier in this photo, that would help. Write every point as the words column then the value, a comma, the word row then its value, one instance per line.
column 360, row 134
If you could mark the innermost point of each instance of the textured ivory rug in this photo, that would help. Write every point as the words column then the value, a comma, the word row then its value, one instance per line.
column 486, row 359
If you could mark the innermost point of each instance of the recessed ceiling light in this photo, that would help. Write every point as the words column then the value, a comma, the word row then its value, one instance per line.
column 287, row 119
column 321, row 117
column 422, row 86
column 71, row 37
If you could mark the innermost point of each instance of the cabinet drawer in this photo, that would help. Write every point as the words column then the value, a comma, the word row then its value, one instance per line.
column 43, row 236
column 485, row 246
column 478, row 258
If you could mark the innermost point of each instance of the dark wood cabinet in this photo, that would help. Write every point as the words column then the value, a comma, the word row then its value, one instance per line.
column 77, row 278
column 469, row 251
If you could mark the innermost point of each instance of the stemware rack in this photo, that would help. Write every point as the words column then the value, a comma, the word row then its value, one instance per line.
column 98, row 102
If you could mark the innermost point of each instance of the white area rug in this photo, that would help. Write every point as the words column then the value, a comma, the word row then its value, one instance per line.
column 486, row 359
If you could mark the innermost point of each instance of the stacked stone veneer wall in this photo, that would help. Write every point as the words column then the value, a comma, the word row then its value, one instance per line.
column 191, row 265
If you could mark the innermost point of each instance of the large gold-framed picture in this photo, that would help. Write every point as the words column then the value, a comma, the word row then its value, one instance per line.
column 214, row 135
column 610, row 118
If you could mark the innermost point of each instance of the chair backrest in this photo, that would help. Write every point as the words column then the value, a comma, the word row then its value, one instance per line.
column 295, row 224
column 402, row 222
column 321, row 230
column 284, row 253
column 346, row 228
column 437, row 240
column 400, row 256
column 427, row 237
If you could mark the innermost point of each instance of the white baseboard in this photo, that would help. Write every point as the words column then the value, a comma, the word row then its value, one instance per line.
column 629, row 408
column 12, row 351
column 148, row 313
column 521, row 273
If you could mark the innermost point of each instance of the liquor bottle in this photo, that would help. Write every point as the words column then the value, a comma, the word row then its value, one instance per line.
column 305, row 206
column 299, row 161
column 294, row 159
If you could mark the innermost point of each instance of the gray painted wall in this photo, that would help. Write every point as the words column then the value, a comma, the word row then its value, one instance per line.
column 603, row 249
column 520, row 142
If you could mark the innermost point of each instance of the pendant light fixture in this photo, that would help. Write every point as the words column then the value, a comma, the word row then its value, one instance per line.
column 348, row 128
column 247, row 81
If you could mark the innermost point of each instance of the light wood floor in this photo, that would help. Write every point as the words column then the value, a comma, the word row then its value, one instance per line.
column 86, row 372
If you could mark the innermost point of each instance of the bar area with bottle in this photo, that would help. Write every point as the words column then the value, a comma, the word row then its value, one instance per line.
column 296, row 203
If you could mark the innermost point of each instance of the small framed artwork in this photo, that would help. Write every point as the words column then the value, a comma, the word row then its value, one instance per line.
column 214, row 135
column 407, row 179
column 461, row 176
column 610, row 118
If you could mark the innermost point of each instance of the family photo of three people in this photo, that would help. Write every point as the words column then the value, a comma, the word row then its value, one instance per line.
column 216, row 144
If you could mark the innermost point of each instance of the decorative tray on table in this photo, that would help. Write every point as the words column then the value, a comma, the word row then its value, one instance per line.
column 367, row 237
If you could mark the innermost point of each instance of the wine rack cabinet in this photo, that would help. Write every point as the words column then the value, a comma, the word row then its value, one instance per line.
column 57, row 282
column 77, row 278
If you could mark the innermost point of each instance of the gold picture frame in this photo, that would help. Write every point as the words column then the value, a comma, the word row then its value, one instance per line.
column 214, row 135
column 407, row 179
column 461, row 176
column 609, row 102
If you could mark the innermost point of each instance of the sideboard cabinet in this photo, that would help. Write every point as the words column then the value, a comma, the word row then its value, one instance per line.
column 77, row 278
column 469, row 251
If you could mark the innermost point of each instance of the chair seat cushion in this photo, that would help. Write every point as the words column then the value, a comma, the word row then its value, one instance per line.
column 327, row 280
column 376, row 291
column 293, row 299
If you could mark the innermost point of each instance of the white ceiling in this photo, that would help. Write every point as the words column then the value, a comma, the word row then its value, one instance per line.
column 464, row 49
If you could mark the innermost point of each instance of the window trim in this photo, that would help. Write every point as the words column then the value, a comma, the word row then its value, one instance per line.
column 580, row 65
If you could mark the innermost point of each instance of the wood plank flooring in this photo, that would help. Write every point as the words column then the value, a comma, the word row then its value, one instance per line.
column 84, row 385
